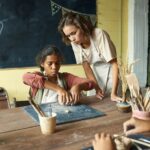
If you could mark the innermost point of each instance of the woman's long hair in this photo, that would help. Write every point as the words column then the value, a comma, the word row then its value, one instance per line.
column 77, row 20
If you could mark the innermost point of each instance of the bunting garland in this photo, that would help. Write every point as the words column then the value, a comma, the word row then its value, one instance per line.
column 1, row 27
column 55, row 9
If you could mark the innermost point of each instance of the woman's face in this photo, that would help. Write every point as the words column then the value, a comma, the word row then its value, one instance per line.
column 74, row 34
column 51, row 65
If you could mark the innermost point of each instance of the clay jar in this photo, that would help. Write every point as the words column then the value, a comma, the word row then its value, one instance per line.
column 143, row 115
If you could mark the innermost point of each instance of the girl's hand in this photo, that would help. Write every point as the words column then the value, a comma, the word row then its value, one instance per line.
column 75, row 93
column 103, row 141
column 64, row 97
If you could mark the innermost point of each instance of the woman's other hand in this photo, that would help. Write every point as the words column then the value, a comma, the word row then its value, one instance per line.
column 116, row 98
column 99, row 93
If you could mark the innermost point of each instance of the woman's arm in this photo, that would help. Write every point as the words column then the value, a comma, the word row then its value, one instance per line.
column 90, row 75
column 115, row 79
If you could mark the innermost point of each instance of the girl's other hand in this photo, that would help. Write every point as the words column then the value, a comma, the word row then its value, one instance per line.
column 103, row 141
column 75, row 93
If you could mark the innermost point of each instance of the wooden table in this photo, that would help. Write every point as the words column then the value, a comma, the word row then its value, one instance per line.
column 19, row 132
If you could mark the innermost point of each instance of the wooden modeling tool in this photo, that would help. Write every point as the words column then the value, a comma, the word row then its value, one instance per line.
column 136, row 97
column 141, row 142
column 36, row 107
column 147, row 100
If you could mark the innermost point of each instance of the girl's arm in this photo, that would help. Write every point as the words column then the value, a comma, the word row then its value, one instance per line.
column 115, row 73
column 64, row 97
column 90, row 75
column 84, row 83
column 77, row 84
column 36, row 80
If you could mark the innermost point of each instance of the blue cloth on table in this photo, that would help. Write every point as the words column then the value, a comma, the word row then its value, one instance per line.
column 75, row 113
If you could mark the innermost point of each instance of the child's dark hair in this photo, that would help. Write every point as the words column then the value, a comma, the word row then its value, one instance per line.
column 79, row 21
column 48, row 50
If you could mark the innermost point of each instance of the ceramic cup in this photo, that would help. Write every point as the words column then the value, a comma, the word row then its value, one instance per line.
column 144, row 115
column 48, row 124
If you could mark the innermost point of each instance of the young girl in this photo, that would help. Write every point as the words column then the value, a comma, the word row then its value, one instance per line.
column 92, row 47
column 50, row 85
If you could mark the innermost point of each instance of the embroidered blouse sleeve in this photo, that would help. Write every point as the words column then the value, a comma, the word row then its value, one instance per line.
column 106, row 46
column 73, row 80
column 35, row 80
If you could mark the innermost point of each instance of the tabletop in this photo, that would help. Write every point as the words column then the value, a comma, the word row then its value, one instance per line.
column 19, row 131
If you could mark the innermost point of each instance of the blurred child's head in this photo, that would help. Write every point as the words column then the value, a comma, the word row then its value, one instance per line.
column 78, row 21
column 49, row 60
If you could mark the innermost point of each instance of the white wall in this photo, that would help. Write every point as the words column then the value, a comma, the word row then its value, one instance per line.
column 138, row 38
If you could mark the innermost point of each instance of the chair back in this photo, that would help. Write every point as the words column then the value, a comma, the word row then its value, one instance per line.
column 4, row 99
column 19, row 103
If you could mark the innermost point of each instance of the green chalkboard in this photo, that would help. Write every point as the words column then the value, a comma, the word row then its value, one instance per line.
column 26, row 26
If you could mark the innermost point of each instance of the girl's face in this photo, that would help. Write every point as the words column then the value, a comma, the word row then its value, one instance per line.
column 51, row 65
column 74, row 34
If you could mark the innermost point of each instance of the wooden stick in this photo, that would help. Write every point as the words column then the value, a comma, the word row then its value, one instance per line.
column 147, row 98
column 36, row 107
column 140, row 142
column 133, row 140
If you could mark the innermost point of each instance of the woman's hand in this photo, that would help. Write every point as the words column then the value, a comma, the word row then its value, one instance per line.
column 99, row 92
column 134, row 126
column 103, row 141
column 116, row 98
column 64, row 97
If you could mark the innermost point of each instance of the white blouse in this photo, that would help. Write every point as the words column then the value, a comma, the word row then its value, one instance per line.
column 100, row 52
column 50, row 96
column 101, row 46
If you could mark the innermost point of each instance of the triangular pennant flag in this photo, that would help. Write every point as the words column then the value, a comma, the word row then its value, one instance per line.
column 64, row 11
column 93, row 19
column 54, row 8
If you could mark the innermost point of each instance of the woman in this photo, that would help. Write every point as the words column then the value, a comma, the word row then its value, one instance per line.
column 50, row 85
column 93, row 49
